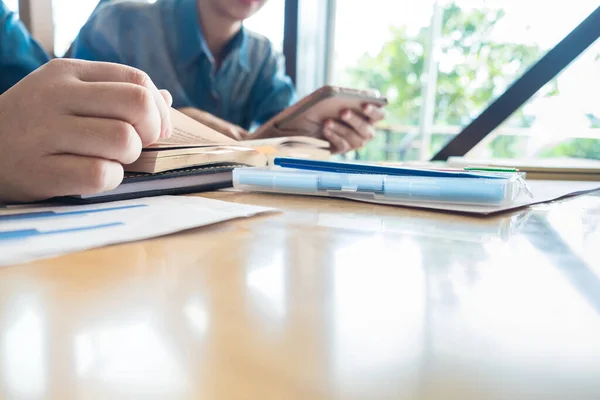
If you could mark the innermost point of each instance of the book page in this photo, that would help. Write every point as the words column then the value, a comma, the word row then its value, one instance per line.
column 286, row 141
column 187, row 132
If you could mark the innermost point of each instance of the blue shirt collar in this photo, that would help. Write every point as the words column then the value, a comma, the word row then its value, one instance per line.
column 191, row 43
column 238, row 49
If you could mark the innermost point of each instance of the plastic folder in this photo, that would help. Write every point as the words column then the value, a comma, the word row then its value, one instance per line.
column 358, row 181
column 358, row 168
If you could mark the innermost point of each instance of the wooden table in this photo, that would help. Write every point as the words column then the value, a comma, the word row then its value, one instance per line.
column 329, row 300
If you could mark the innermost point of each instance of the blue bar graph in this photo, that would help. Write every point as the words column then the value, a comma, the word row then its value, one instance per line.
column 54, row 214
column 27, row 233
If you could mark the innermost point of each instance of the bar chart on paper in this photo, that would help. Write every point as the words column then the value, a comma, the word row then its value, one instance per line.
column 31, row 224
column 28, row 234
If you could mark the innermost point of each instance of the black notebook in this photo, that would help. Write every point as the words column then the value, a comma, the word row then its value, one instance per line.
column 182, row 181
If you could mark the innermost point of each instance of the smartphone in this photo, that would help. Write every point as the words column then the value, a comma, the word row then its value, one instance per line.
column 307, row 116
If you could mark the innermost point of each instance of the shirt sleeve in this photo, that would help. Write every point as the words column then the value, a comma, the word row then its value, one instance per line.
column 273, row 91
column 19, row 53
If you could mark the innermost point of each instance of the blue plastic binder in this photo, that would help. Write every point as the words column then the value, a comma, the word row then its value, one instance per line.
column 357, row 168
column 376, row 183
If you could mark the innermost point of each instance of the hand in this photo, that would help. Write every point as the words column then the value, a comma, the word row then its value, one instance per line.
column 68, row 127
column 216, row 123
column 353, row 130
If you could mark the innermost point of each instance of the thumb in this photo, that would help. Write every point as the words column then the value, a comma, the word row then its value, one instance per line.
column 167, row 96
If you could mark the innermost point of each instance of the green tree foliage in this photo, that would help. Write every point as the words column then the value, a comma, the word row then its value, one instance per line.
column 474, row 68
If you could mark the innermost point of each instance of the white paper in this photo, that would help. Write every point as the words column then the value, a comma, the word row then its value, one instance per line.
column 543, row 191
column 142, row 219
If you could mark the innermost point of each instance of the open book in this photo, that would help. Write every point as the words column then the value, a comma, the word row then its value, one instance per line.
column 196, row 159
column 194, row 144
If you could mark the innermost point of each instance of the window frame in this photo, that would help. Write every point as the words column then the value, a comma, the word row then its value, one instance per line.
column 309, row 33
column 37, row 16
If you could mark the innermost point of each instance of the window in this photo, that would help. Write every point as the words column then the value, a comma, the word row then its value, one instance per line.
column 69, row 17
column 269, row 22
column 469, row 51
column 12, row 5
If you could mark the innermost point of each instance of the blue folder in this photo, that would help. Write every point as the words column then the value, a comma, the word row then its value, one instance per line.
column 348, row 180
column 358, row 168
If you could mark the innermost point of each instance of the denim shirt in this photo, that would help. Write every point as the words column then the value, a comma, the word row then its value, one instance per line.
column 165, row 40
column 19, row 53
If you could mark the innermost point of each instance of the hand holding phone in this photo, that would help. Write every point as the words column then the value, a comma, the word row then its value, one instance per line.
column 354, row 131
column 344, row 117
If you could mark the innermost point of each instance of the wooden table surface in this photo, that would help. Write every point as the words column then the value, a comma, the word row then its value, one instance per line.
column 329, row 300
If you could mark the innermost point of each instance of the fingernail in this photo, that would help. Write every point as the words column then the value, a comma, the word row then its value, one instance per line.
column 168, row 97
column 346, row 116
column 330, row 124
column 368, row 109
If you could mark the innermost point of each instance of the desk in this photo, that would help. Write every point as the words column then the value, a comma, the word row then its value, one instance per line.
column 330, row 300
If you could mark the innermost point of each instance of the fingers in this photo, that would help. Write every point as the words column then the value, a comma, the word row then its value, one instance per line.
column 244, row 134
column 373, row 113
column 167, row 97
column 155, row 115
column 97, row 137
column 338, row 144
column 342, row 138
column 90, row 71
column 360, row 125
column 236, row 132
column 126, row 102
column 76, row 175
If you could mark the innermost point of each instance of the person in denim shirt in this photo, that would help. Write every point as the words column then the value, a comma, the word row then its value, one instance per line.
column 68, row 126
column 217, row 71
